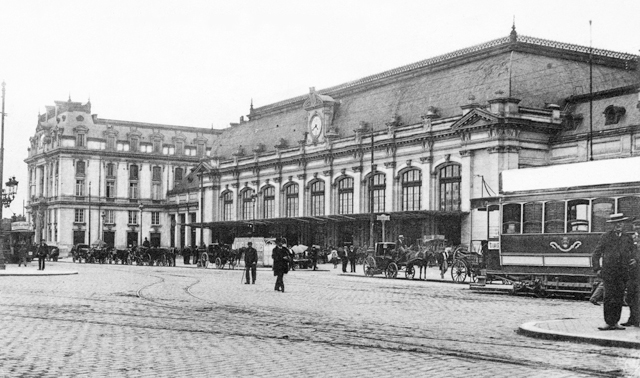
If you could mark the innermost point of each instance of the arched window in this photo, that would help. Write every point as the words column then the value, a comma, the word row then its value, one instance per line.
column 268, row 202
column 345, row 196
column 248, row 205
column 450, row 187
column 411, row 189
column 379, row 193
column 291, row 200
column 227, row 206
column 317, row 198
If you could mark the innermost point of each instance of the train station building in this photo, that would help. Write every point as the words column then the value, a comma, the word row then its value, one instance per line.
column 421, row 145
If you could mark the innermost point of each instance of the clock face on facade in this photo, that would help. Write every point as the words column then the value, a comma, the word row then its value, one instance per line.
column 316, row 126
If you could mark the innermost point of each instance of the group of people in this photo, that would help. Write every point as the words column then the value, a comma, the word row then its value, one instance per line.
column 347, row 256
column 620, row 273
column 42, row 250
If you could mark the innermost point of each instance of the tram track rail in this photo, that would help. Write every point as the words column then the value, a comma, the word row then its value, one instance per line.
column 333, row 334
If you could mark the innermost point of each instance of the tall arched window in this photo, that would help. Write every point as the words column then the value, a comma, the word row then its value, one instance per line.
column 177, row 175
column 317, row 198
column 268, row 202
column 379, row 188
column 450, row 187
column 291, row 200
column 411, row 189
column 248, row 203
column 345, row 196
column 227, row 206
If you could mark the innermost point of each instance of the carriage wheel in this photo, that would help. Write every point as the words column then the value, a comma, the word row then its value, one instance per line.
column 459, row 271
column 204, row 260
column 368, row 266
column 410, row 272
column 392, row 270
column 232, row 263
column 219, row 263
column 129, row 262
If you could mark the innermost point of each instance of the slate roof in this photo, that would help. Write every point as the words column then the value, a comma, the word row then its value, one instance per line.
column 537, row 71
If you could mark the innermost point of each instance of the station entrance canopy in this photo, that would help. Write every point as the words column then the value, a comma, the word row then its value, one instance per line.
column 336, row 218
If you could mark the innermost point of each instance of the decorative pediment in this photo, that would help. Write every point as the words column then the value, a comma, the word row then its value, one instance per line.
column 156, row 135
column 315, row 100
column 475, row 118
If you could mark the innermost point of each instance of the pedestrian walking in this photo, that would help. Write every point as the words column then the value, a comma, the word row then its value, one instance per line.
column 617, row 251
column 351, row 255
column 633, row 284
column 195, row 252
column 250, row 262
column 42, row 255
column 280, row 256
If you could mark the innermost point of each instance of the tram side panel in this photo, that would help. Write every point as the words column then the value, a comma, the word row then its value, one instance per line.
column 550, row 262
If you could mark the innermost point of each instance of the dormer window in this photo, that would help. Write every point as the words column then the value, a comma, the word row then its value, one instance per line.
column 200, row 150
column 157, row 146
column 612, row 114
column 179, row 148
column 111, row 142
column 133, row 145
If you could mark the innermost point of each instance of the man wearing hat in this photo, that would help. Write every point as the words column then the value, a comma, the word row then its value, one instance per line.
column 400, row 244
column 633, row 285
column 617, row 252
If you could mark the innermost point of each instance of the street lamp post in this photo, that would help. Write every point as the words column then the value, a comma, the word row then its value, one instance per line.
column 12, row 184
column 140, row 207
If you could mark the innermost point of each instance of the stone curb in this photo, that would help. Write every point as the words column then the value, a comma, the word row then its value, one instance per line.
column 27, row 274
column 532, row 330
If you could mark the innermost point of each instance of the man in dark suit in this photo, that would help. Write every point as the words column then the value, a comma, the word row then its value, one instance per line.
column 250, row 262
column 633, row 285
column 281, row 259
column 617, row 251
column 186, row 254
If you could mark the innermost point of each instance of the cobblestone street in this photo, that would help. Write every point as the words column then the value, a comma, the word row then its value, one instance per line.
column 159, row 321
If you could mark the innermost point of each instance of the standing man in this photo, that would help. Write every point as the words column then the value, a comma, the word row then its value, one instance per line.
column 146, row 243
column 280, row 257
column 617, row 251
column 42, row 254
column 351, row 255
column 186, row 254
column 22, row 255
column 633, row 285
column 250, row 262
column 314, row 257
column 344, row 258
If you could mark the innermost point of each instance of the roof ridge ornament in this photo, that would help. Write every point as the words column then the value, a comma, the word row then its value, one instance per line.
column 513, row 36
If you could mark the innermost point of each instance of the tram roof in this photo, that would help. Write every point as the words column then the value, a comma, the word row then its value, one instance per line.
column 584, row 174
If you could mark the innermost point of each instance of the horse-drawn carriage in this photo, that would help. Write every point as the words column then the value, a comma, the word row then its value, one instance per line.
column 221, row 255
column 382, row 261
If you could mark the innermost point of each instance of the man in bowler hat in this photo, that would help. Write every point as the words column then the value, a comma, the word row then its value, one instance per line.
column 250, row 262
column 617, row 251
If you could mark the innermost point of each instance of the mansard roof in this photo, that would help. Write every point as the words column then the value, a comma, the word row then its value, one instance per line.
column 537, row 71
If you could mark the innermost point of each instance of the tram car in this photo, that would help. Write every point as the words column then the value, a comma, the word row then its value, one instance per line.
column 551, row 219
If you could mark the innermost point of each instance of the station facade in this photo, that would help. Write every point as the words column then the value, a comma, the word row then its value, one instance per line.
column 423, row 144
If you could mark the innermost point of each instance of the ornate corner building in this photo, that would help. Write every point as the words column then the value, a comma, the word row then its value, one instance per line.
column 424, row 143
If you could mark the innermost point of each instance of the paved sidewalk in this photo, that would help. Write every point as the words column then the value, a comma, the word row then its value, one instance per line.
column 51, row 269
column 583, row 330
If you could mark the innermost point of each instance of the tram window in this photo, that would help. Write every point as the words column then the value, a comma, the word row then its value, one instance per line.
column 511, row 218
column 532, row 215
column 578, row 215
column 629, row 206
column 554, row 217
column 601, row 209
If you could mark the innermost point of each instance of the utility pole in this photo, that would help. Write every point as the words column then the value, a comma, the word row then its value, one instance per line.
column 372, row 218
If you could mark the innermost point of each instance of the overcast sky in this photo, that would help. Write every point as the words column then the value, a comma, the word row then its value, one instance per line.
column 199, row 63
